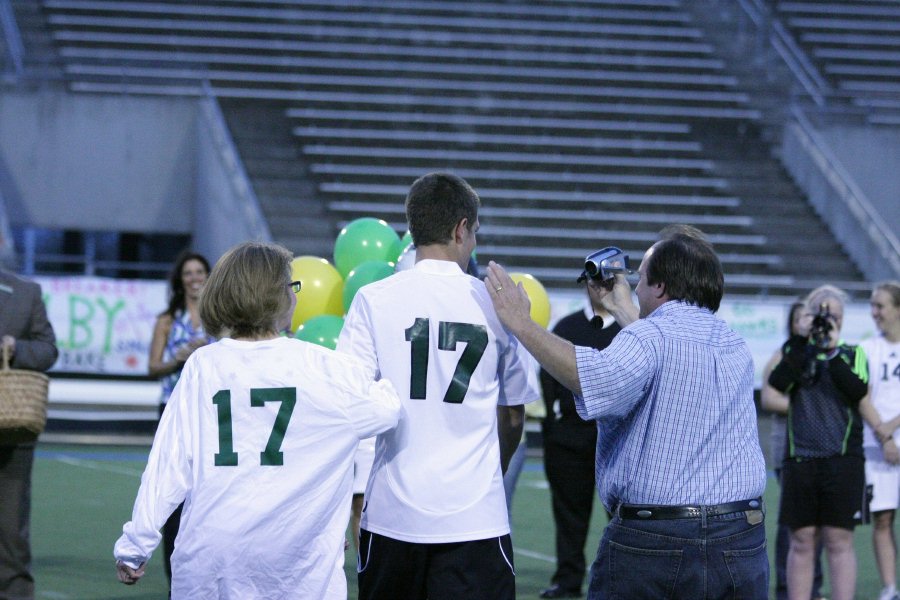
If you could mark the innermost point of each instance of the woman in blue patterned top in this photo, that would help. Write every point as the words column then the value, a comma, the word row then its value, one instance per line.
column 177, row 333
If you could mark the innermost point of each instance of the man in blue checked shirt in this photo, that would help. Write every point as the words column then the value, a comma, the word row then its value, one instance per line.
column 678, row 458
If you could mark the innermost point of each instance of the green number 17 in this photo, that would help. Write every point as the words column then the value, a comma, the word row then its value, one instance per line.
column 272, row 455
column 449, row 334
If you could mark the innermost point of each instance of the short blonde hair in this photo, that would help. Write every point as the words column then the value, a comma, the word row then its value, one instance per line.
column 247, row 291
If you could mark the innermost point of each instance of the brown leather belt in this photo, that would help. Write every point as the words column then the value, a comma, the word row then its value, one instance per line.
column 640, row 511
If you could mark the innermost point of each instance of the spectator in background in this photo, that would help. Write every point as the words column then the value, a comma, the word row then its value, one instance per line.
column 777, row 403
column 881, row 438
column 28, row 337
column 257, row 441
column 570, row 447
column 177, row 333
column 823, row 479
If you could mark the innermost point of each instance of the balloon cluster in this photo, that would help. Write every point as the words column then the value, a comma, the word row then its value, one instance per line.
column 365, row 251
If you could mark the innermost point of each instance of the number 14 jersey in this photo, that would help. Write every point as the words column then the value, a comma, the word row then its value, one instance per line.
column 432, row 331
column 884, row 383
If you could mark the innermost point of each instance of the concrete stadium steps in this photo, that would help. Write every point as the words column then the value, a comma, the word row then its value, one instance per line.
column 855, row 45
column 749, row 57
column 280, row 177
column 306, row 46
column 779, row 210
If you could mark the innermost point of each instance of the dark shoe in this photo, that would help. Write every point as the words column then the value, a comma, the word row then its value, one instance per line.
column 555, row 591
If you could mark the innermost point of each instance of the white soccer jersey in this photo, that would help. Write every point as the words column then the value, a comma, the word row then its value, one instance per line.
column 884, row 383
column 432, row 331
column 258, row 440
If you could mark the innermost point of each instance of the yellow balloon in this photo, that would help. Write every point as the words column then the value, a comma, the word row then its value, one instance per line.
column 540, row 302
column 321, row 292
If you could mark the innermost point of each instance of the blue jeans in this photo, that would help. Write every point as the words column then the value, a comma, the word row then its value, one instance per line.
column 705, row 557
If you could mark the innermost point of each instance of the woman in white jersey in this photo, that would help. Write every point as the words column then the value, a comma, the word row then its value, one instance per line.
column 881, row 438
column 257, row 441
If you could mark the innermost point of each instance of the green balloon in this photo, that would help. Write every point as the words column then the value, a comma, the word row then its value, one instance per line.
column 322, row 330
column 362, row 240
column 405, row 241
column 364, row 274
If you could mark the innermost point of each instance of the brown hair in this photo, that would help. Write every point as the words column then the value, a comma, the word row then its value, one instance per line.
column 177, row 301
column 892, row 288
column 689, row 268
column 436, row 202
column 247, row 291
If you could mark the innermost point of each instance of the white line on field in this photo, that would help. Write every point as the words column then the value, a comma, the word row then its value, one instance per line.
column 54, row 595
column 536, row 555
column 98, row 466
column 540, row 485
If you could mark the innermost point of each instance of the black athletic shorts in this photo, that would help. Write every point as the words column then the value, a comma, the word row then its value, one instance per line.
column 389, row 569
column 823, row 491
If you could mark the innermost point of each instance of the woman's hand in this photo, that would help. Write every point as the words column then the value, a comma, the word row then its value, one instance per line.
column 884, row 432
column 891, row 452
column 127, row 575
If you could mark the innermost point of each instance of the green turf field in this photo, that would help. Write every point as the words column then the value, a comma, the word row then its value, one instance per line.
column 83, row 494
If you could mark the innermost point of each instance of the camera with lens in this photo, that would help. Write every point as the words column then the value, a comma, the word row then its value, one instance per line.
column 821, row 327
column 604, row 264
column 818, row 341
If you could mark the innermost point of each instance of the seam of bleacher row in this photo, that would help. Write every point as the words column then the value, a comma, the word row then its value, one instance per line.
column 472, row 56
column 264, row 8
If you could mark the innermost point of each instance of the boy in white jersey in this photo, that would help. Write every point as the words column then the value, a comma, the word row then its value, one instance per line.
column 435, row 522
column 881, row 438
column 258, row 441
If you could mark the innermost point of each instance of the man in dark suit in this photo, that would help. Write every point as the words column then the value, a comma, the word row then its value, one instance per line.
column 28, row 335
column 569, row 449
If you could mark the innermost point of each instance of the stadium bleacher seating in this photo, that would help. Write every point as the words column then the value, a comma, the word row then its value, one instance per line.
column 855, row 45
column 581, row 124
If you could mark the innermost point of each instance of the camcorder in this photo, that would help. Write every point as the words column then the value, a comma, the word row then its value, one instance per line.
column 604, row 264
column 819, row 336
column 821, row 327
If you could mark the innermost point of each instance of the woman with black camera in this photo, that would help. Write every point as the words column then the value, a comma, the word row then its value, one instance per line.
column 823, row 479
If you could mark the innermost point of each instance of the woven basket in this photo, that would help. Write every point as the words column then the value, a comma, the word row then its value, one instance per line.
column 23, row 398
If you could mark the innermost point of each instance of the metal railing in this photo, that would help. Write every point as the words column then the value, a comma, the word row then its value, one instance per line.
column 805, row 73
column 231, row 160
column 14, row 48
column 834, row 194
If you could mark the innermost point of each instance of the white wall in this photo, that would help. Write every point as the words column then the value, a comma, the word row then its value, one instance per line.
column 872, row 155
column 106, row 163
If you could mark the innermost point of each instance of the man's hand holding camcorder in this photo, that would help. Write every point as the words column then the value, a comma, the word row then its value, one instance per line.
column 616, row 299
